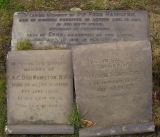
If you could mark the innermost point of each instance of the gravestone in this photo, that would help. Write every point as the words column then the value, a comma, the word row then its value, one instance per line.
column 39, row 92
column 113, row 85
column 68, row 28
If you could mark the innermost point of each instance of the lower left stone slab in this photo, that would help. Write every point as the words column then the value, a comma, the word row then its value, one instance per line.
column 39, row 92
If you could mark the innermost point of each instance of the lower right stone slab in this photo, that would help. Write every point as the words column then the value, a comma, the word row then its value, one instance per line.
column 113, row 85
column 117, row 130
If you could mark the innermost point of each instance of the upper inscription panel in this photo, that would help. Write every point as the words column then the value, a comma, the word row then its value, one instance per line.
column 78, row 28
column 39, row 87
column 113, row 82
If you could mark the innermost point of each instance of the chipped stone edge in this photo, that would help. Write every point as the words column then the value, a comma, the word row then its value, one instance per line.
column 7, row 130
column 39, row 129
column 117, row 130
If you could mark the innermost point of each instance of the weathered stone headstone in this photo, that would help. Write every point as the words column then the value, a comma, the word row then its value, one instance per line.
column 113, row 84
column 39, row 92
column 69, row 28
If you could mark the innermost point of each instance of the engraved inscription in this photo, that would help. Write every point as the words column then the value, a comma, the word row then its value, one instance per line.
column 40, row 87
column 113, row 82
column 86, row 27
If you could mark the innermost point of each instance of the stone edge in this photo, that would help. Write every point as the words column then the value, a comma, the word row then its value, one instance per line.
column 117, row 130
column 39, row 129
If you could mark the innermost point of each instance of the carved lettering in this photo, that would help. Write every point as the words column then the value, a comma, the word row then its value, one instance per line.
column 99, row 23
column 38, row 81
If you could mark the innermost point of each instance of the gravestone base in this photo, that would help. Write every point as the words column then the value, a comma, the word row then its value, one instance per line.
column 117, row 130
column 39, row 129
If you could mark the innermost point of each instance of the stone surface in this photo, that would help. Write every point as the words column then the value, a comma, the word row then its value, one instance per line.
column 39, row 88
column 117, row 130
column 68, row 28
column 113, row 82
column 39, row 129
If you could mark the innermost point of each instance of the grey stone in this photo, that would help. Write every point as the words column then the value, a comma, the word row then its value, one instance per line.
column 40, row 129
column 68, row 28
column 39, row 90
column 113, row 82
column 117, row 130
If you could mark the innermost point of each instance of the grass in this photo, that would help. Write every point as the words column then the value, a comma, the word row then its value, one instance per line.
column 4, row 4
column 95, row 4
column 156, row 67
column 8, row 7
column 75, row 119
column 2, row 100
column 24, row 44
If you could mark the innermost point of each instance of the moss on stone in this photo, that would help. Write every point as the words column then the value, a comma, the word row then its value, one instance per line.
column 24, row 44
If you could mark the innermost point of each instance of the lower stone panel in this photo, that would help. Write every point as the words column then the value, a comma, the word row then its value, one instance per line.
column 117, row 130
column 39, row 129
